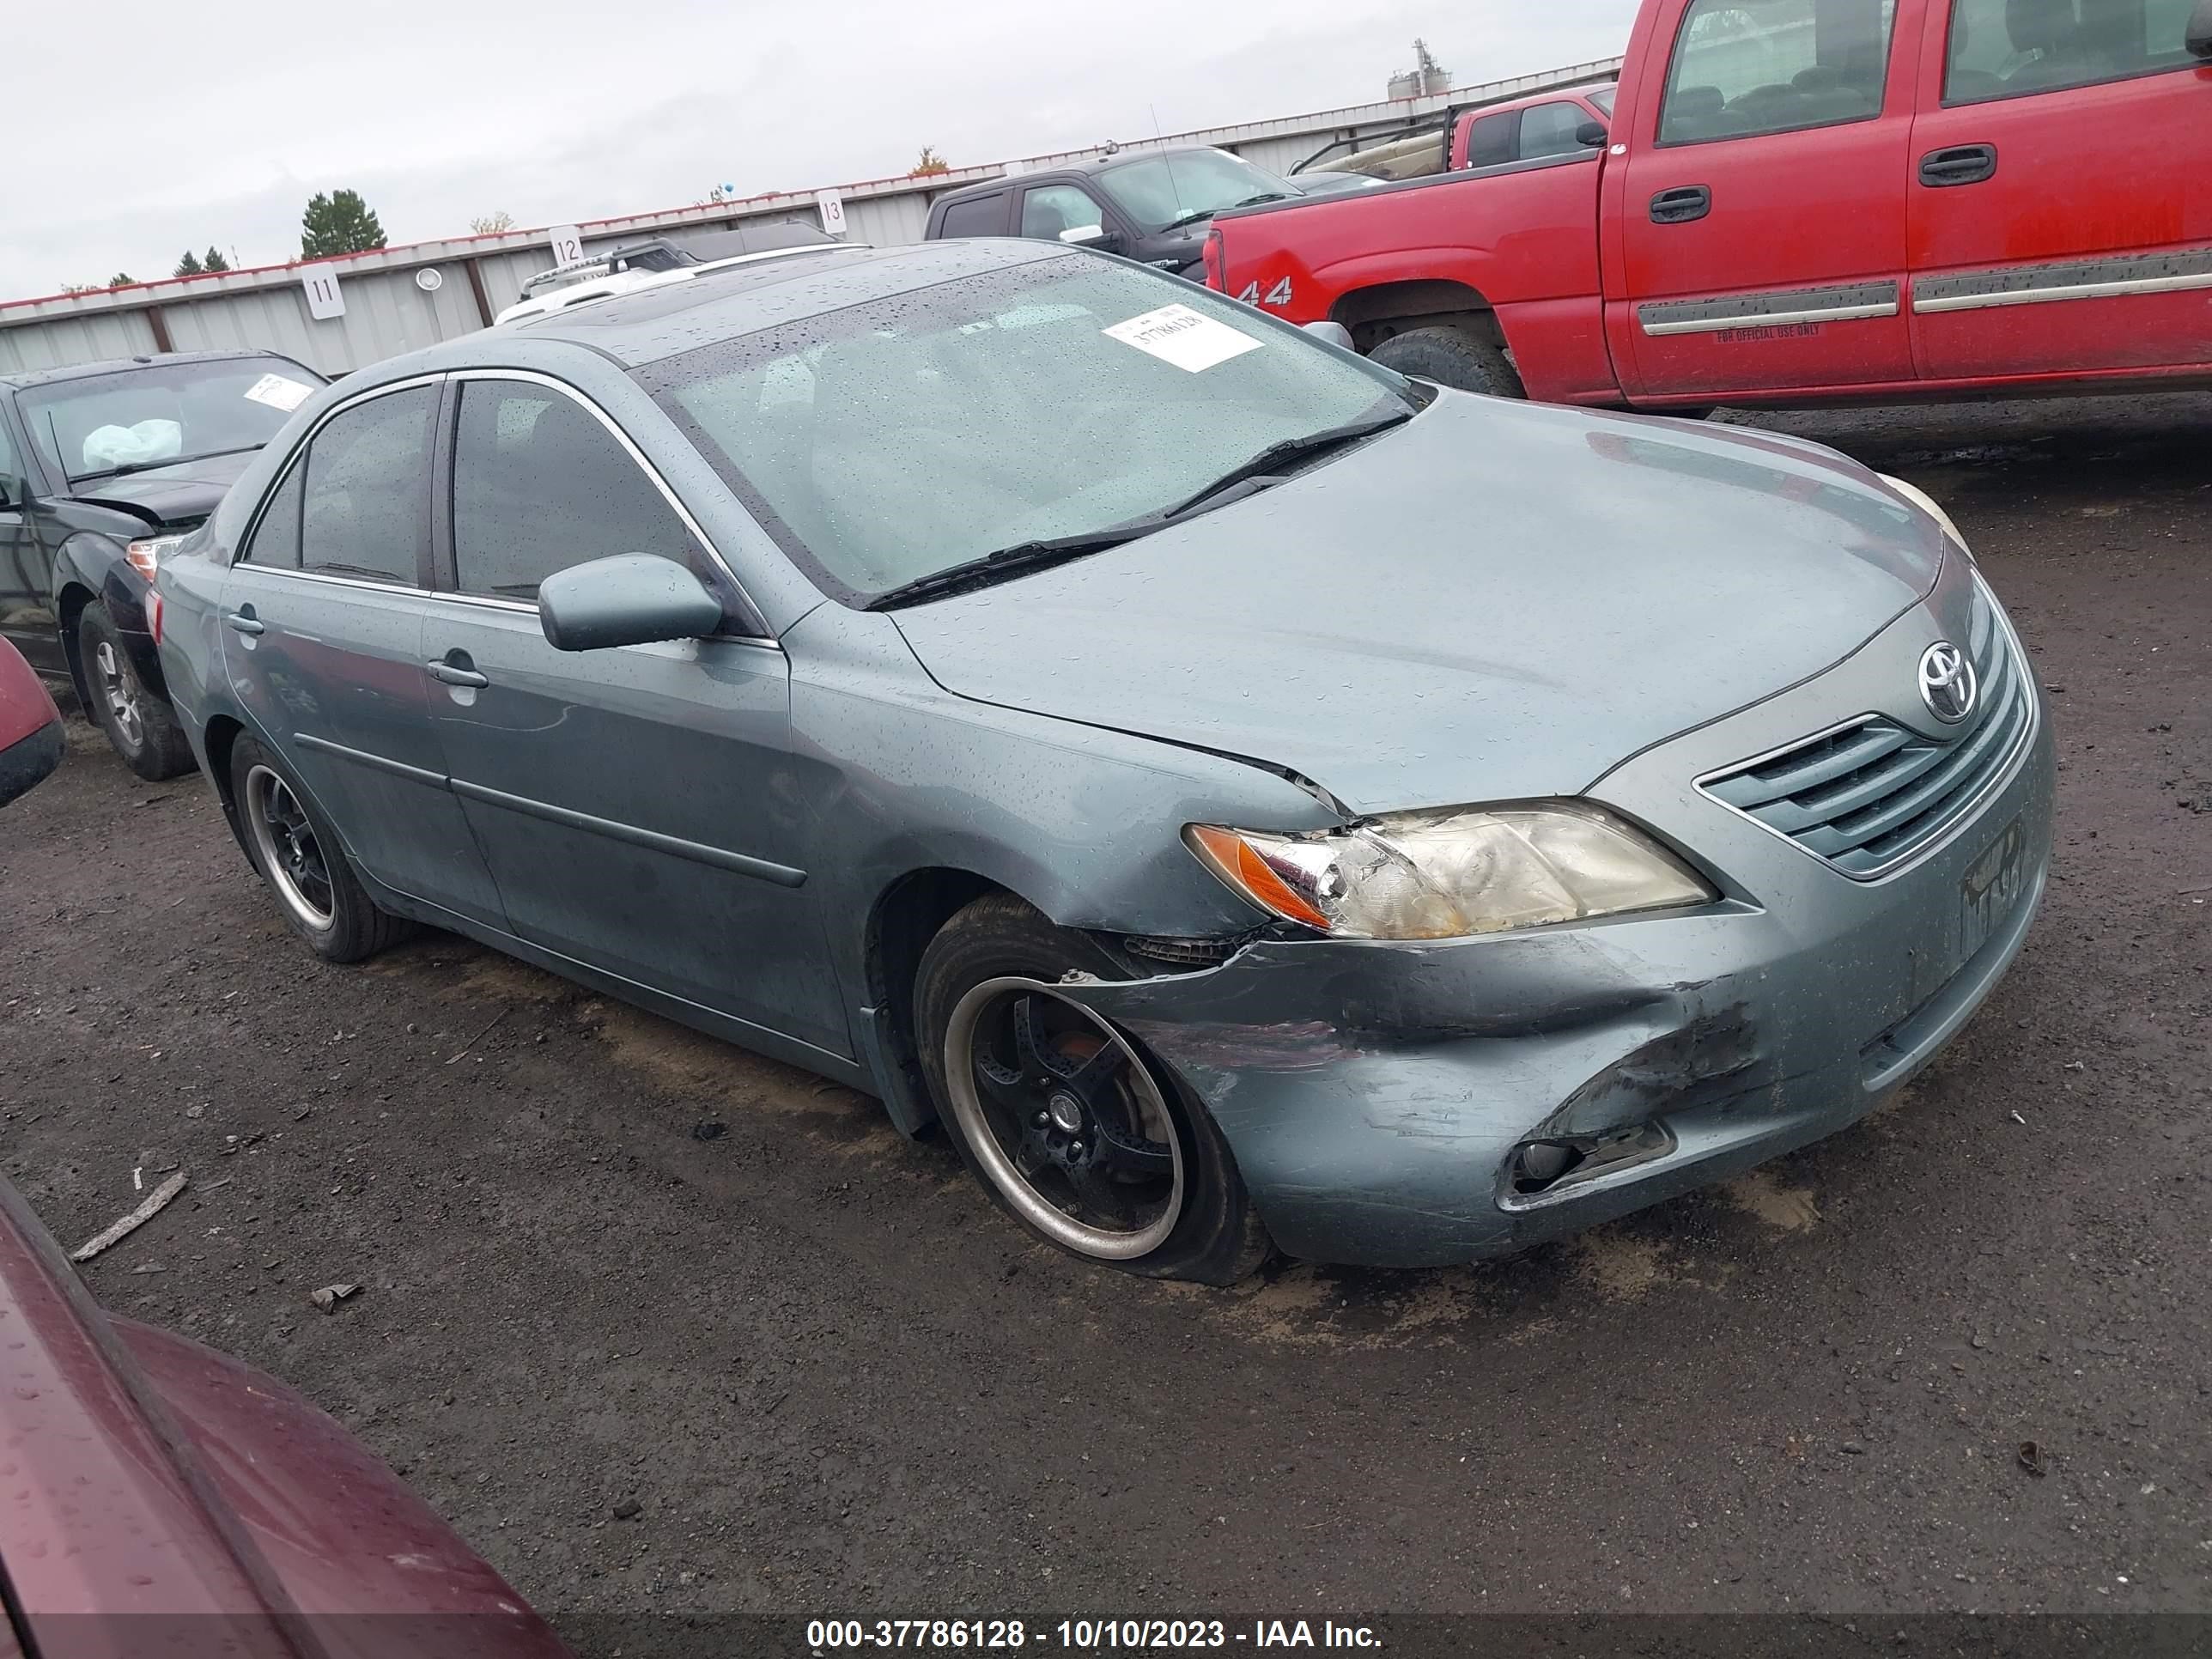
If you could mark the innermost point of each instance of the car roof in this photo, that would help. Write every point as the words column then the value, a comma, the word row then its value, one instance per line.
column 651, row 323
column 119, row 365
column 1095, row 165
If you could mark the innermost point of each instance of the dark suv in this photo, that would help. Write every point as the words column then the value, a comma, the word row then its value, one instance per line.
column 104, row 466
column 1153, row 205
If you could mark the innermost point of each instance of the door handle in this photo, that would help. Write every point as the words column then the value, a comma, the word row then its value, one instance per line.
column 1960, row 164
column 245, row 621
column 1682, row 206
column 455, row 673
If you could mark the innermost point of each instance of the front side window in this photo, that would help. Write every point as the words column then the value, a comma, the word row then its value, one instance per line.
column 1552, row 129
column 1050, row 209
column 1489, row 141
column 1745, row 67
column 1163, row 192
column 163, row 414
column 539, row 485
column 889, row 440
column 2011, row 48
column 367, row 508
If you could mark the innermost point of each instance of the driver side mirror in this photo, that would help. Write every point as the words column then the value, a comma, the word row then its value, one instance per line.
column 2199, row 37
column 1105, row 240
column 631, row 599
column 1592, row 135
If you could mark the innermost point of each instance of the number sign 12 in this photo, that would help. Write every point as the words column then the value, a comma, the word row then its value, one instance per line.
column 568, row 243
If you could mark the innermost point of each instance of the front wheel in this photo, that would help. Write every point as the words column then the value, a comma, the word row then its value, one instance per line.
column 139, row 724
column 1452, row 357
column 1069, row 1125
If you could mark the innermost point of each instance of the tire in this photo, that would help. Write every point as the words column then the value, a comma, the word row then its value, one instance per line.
column 299, row 856
column 1452, row 357
column 1124, row 1169
column 140, row 725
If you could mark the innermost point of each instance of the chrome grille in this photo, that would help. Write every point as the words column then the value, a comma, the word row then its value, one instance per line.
column 1867, row 796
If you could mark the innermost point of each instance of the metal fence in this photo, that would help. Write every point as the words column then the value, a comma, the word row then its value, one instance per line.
column 398, row 299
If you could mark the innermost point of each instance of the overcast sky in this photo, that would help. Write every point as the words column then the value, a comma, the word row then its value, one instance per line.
column 232, row 112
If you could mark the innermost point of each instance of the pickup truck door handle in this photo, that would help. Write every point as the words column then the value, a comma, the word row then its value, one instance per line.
column 456, row 670
column 245, row 621
column 1680, row 207
column 1960, row 164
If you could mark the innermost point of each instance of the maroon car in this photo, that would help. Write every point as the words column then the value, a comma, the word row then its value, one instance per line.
column 158, row 1499
column 30, row 726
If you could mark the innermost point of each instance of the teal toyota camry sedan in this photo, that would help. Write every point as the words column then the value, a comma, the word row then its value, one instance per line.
column 1245, row 798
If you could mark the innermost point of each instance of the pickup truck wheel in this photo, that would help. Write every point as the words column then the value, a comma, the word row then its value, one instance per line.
column 1451, row 357
column 1072, row 1128
column 138, row 724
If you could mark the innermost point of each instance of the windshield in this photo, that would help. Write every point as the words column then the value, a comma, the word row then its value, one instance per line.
column 891, row 440
column 163, row 412
column 1187, row 186
column 1603, row 98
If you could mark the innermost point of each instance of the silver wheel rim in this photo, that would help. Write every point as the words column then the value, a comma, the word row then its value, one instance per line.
column 1065, row 1119
column 118, row 688
column 289, row 852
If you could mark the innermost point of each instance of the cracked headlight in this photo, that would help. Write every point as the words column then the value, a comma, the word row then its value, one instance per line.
column 1448, row 873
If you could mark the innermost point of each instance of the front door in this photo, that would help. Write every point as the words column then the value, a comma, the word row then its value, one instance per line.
column 27, row 617
column 2061, row 217
column 638, row 805
column 1761, row 207
column 323, row 617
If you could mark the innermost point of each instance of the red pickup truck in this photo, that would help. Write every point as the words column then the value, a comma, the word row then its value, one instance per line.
column 1801, row 202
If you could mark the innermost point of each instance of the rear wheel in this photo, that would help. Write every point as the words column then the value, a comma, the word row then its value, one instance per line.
column 1452, row 357
column 1071, row 1126
column 299, row 857
column 138, row 724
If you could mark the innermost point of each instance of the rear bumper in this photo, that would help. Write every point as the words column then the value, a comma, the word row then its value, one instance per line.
column 1378, row 1096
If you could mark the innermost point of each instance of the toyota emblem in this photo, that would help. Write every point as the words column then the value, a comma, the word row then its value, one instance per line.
column 1947, row 682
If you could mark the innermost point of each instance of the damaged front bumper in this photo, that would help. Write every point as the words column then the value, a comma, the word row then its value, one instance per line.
column 1382, row 1099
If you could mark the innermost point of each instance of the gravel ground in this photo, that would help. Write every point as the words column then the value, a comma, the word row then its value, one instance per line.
column 835, row 1381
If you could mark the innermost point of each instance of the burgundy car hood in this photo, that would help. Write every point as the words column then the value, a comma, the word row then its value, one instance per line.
column 157, row 1496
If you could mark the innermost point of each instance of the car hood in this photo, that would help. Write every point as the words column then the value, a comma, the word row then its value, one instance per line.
column 1496, row 600
column 180, row 495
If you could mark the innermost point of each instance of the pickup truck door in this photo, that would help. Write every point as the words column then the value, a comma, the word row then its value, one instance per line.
column 27, row 618
column 1760, row 206
column 2060, row 216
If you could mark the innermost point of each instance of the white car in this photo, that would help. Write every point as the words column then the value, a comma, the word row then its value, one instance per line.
column 624, row 271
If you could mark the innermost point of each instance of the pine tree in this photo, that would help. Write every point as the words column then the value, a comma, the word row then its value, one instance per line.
column 190, row 266
column 339, row 222
column 215, row 261
column 122, row 279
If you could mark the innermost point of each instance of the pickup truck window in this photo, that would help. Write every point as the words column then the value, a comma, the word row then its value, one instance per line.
column 984, row 216
column 1745, row 67
column 1490, row 140
column 1162, row 191
column 2007, row 49
column 1048, row 210
column 1551, row 130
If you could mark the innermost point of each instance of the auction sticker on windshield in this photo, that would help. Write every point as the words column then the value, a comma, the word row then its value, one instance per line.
column 1178, row 335
column 278, row 392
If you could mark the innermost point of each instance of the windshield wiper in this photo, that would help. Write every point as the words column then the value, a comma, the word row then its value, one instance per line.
column 128, row 467
column 1025, row 556
column 1015, row 561
column 1276, row 457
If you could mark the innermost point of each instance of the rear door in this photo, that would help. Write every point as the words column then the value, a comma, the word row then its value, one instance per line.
column 1761, row 205
column 323, row 646
column 979, row 216
column 639, row 805
column 2062, row 201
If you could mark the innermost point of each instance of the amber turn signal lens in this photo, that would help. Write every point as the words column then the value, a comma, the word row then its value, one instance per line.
column 1236, row 861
